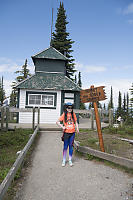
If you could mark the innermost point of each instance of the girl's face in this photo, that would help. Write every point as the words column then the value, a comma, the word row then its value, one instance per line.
column 69, row 109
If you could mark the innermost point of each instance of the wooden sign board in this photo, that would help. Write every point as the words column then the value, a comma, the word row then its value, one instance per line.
column 92, row 94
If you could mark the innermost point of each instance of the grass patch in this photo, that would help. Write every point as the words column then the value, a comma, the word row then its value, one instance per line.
column 124, row 131
column 112, row 144
column 10, row 143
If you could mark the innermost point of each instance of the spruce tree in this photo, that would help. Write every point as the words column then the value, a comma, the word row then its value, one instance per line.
column 2, row 91
column 111, row 100
column 75, row 80
column 131, row 100
column 13, row 98
column 23, row 74
column 127, row 105
column 124, row 103
column 79, row 80
column 61, row 42
column 124, row 107
column 119, row 109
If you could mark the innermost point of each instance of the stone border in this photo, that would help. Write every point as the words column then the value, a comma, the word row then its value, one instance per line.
column 106, row 156
column 12, row 172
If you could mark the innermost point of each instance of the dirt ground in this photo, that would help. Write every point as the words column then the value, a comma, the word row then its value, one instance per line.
column 112, row 143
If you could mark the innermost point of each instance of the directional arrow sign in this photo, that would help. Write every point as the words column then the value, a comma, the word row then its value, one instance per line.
column 92, row 94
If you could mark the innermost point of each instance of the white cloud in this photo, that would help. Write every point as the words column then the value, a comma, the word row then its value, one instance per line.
column 130, row 21
column 90, row 68
column 7, row 65
column 7, row 87
column 7, row 69
column 128, row 9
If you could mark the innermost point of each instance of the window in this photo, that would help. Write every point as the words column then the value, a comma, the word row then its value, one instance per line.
column 44, row 100
column 48, row 100
column 35, row 99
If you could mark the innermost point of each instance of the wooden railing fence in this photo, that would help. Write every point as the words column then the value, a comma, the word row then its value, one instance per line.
column 5, row 110
column 102, row 114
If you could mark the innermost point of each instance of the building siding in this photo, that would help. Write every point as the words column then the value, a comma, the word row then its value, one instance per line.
column 46, row 115
column 50, row 65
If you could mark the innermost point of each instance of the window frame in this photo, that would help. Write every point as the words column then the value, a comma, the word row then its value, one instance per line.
column 54, row 96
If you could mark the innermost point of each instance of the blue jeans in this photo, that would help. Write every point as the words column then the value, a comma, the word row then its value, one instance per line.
column 68, row 142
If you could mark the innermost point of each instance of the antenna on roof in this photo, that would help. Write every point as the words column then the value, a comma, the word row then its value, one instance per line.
column 51, row 28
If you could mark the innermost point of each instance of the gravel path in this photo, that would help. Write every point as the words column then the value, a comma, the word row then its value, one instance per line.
column 86, row 180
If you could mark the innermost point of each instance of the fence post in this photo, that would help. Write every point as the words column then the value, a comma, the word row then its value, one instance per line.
column 7, row 117
column 33, row 119
column 92, row 118
column 2, row 118
column 110, row 117
column 38, row 115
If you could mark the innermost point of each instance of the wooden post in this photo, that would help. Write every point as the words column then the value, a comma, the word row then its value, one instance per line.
column 98, row 123
column 110, row 116
column 33, row 119
column 92, row 118
column 98, row 127
column 2, row 118
column 38, row 115
column 7, row 117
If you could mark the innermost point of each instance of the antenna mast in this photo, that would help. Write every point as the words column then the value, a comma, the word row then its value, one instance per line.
column 51, row 28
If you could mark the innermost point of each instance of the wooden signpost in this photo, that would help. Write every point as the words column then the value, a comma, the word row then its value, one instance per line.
column 94, row 95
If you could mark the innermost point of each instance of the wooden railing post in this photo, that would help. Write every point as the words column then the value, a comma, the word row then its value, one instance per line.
column 92, row 118
column 33, row 119
column 2, row 118
column 7, row 117
column 38, row 115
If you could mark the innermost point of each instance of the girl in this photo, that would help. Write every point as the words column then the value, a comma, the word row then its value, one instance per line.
column 69, row 121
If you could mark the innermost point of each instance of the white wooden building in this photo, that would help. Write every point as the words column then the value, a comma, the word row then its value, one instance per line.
column 49, row 88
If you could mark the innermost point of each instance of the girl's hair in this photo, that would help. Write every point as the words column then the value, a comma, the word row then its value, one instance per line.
column 66, row 116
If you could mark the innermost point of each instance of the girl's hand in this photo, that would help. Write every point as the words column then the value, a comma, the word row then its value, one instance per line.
column 63, row 128
column 77, row 131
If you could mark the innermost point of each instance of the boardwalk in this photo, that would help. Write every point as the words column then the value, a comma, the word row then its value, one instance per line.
column 86, row 180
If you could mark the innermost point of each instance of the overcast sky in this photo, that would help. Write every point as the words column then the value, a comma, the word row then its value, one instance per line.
column 102, row 31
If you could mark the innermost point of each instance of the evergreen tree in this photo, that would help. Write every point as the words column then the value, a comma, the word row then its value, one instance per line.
column 2, row 91
column 124, row 107
column 75, row 80
column 127, row 105
column 131, row 100
column 23, row 74
column 79, row 80
column 61, row 42
column 119, row 109
column 13, row 98
column 111, row 100
column 124, row 103
column 91, row 105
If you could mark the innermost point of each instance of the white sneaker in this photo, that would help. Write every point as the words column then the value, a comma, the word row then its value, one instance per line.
column 70, row 163
column 63, row 163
